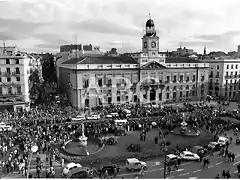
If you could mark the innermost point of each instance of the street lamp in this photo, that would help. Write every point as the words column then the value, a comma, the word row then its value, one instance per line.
column 165, row 147
column 33, row 150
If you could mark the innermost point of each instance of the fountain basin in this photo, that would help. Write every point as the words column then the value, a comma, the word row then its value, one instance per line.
column 74, row 147
column 188, row 131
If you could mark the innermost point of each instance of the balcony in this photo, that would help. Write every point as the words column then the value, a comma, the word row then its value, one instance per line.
column 216, row 83
column 16, row 73
column 187, row 80
column 228, row 76
column 211, row 76
column 109, row 84
column 85, row 86
column 168, row 81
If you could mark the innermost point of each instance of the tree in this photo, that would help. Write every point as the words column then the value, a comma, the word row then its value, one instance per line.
column 48, row 68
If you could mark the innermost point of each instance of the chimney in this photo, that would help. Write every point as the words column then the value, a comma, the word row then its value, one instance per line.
column 238, row 49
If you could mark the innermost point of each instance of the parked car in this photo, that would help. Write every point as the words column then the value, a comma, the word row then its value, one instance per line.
column 94, row 117
column 214, row 145
column 188, row 155
column 238, row 140
column 108, row 167
column 133, row 164
column 172, row 159
column 5, row 127
column 69, row 167
column 80, row 173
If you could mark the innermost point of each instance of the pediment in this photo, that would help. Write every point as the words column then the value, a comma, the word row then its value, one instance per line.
column 153, row 65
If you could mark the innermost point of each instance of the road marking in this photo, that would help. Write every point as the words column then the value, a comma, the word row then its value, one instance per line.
column 236, row 163
column 170, row 177
column 219, row 163
column 156, row 164
column 193, row 177
column 197, row 171
column 210, row 166
column 183, row 174
column 179, row 170
column 186, row 163
column 152, row 170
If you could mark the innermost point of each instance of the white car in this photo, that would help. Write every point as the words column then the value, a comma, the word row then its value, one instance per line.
column 111, row 115
column 69, row 167
column 94, row 117
column 222, row 141
column 133, row 164
column 5, row 127
column 188, row 155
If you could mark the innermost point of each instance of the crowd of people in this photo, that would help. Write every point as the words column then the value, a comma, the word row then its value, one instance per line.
column 48, row 124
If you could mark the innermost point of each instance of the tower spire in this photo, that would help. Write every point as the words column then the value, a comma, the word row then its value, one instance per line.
column 204, row 51
column 149, row 15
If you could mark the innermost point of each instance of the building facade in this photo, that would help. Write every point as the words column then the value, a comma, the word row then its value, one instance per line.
column 149, row 77
column 14, row 72
column 224, row 77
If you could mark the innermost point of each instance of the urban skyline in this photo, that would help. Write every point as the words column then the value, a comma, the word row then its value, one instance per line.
column 42, row 26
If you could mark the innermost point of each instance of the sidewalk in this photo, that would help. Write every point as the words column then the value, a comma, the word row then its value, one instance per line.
column 14, row 175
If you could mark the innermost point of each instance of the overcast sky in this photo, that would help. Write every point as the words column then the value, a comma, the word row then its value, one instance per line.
column 44, row 25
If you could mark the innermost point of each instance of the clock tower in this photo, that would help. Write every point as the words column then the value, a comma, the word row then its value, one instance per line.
column 150, row 41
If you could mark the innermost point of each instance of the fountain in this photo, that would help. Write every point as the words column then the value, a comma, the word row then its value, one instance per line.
column 185, row 130
column 83, row 140
column 81, row 145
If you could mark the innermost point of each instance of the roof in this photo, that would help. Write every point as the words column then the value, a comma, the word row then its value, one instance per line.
column 181, row 60
column 102, row 60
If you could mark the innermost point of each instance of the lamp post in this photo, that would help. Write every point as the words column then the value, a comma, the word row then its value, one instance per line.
column 33, row 150
column 165, row 147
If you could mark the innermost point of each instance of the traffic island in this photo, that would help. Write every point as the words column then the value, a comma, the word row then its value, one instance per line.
column 148, row 149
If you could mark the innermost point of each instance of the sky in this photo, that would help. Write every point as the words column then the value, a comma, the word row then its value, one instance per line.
column 44, row 25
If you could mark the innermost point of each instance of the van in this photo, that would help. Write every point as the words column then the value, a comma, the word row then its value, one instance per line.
column 133, row 164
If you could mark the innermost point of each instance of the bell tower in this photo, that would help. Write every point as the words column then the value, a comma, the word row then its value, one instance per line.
column 150, row 41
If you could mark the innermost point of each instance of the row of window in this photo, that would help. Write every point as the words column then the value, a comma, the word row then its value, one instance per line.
column 8, row 70
column 10, row 90
column 10, row 79
column 187, row 94
column 121, row 81
column 232, row 66
column 16, row 61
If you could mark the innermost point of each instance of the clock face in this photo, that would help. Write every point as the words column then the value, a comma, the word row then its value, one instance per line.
column 153, row 44
column 145, row 44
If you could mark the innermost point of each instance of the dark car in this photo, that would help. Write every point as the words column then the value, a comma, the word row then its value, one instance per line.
column 199, row 150
column 172, row 159
column 110, row 168
column 80, row 173
column 238, row 140
column 214, row 145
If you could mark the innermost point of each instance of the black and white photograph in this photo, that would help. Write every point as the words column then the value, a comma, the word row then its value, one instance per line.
column 119, row 89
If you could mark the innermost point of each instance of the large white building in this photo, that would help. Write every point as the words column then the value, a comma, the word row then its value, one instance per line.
column 224, row 76
column 148, row 77
column 14, row 74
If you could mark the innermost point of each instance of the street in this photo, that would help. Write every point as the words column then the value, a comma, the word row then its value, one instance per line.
column 187, row 170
